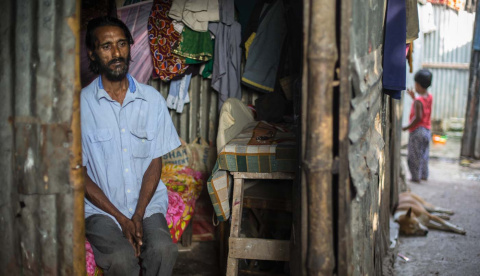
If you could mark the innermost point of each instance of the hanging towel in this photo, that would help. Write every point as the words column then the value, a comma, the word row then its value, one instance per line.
column 178, row 93
column 394, row 62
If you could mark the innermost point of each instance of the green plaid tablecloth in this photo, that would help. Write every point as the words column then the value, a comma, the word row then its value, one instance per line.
column 238, row 156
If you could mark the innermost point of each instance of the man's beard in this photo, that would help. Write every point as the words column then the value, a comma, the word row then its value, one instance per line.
column 116, row 74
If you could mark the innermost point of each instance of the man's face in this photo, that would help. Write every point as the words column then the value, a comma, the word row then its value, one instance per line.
column 112, row 52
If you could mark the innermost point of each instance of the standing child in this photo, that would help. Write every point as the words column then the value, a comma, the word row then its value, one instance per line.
column 419, row 126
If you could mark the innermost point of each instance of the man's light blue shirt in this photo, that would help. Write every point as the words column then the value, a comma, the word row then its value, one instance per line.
column 119, row 143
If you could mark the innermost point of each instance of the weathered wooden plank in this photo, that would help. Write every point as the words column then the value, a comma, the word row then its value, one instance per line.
column 259, row 249
column 237, row 204
column 275, row 175
column 446, row 65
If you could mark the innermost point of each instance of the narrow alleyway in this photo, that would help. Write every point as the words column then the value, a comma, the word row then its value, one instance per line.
column 453, row 187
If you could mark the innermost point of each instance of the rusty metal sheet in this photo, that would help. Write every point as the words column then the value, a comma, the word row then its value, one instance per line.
column 37, row 75
column 8, row 256
column 45, row 245
column 366, row 71
column 364, row 160
column 42, row 154
column 364, row 110
column 367, row 125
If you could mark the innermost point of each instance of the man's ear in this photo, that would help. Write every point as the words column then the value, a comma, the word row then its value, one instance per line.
column 409, row 212
column 91, row 55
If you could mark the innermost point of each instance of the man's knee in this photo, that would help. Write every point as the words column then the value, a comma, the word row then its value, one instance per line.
column 123, row 260
column 164, row 249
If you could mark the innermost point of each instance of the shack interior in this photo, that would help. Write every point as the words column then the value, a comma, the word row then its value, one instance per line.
column 219, row 78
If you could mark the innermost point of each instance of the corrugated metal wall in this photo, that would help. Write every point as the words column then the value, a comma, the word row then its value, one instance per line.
column 370, row 136
column 199, row 117
column 39, row 84
column 446, row 52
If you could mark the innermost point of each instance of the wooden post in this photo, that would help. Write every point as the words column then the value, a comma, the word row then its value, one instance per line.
column 76, row 171
column 470, row 133
column 344, row 263
column 237, row 204
column 321, row 56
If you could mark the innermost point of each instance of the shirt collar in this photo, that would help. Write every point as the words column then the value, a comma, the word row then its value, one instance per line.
column 132, row 87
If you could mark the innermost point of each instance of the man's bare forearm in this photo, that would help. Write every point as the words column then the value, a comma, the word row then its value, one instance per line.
column 98, row 198
column 149, row 185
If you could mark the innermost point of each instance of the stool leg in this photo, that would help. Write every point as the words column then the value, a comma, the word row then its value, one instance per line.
column 237, row 204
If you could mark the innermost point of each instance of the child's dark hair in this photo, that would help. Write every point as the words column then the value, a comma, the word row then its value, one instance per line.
column 424, row 78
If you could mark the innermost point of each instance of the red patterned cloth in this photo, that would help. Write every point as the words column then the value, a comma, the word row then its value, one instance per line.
column 162, row 37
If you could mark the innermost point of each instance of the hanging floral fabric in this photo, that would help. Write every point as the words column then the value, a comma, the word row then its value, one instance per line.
column 162, row 37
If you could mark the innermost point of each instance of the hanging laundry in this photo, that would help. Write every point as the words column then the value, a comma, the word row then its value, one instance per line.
column 428, row 19
column 265, row 49
column 162, row 37
column 394, row 62
column 195, row 13
column 244, row 9
column 178, row 26
column 476, row 35
column 226, row 10
column 410, row 56
column 207, row 69
column 178, row 93
column 196, row 46
column 412, row 20
column 225, row 72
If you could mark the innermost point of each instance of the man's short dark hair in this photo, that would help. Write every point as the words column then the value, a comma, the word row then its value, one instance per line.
column 91, row 39
column 95, row 23
column 424, row 78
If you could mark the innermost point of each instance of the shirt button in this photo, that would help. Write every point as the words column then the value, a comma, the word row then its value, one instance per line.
column 123, row 130
column 126, row 170
column 143, row 140
column 125, row 150
column 128, row 191
column 130, row 209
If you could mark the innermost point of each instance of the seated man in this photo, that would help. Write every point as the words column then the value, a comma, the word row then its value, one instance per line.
column 126, row 129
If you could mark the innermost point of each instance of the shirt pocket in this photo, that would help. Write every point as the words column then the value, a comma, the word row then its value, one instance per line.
column 101, row 140
column 142, row 143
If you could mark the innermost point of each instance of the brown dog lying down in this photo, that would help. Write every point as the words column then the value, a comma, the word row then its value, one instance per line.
column 415, row 216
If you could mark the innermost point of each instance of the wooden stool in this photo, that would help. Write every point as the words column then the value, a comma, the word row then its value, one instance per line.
column 252, row 248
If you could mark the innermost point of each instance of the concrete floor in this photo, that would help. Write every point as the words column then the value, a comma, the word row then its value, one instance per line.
column 453, row 187
column 200, row 259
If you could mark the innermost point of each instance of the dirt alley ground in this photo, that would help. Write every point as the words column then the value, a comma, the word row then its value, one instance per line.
column 453, row 187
